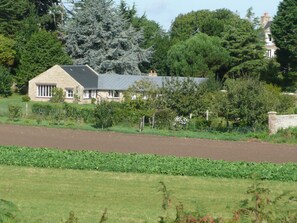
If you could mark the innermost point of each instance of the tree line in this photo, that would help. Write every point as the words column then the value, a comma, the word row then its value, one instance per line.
column 35, row 35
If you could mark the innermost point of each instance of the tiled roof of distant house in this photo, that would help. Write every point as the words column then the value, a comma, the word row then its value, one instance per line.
column 83, row 74
column 123, row 82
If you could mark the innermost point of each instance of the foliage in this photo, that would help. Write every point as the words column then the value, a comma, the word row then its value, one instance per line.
column 42, row 51
column 12, row 13
column 186, row 97
column 7, row 51
column 262, row 207
column 26, row 98
column 199, row 56
column 103, row 115
column 58, row 95
column 180, row 122
column 99, row 36
column 164, row 118
column 246, row 49
column 159, row 57
column 67, row 111
column 249, row 101
column 15, row 112
column 137, row 163
column 284, row 33
column 5, row 82
column 212, row 23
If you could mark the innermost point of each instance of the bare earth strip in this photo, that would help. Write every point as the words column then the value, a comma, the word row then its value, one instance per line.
column 146, row 144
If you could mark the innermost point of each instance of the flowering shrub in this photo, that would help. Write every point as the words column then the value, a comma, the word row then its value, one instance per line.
column 180, row 122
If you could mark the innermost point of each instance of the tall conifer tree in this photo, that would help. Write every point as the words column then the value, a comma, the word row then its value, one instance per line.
column 99, row 35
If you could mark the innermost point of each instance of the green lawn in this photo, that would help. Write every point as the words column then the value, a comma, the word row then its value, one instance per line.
column 48, row 195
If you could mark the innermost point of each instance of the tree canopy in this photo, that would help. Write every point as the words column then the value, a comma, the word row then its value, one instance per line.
column 284, row 31
column 42, row 51
column 99, row 36
column 199, row 56
column 246, row 49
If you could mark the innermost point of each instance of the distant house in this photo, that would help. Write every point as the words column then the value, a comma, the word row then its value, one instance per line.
column 83, row 83
column 269, row 43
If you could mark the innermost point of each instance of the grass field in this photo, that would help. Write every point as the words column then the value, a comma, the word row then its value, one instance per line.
column 48, row 195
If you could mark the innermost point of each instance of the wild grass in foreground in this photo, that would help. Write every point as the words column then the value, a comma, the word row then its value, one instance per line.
column 49, row 195
column 141, row 163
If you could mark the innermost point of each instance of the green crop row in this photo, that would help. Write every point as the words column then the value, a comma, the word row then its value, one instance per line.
column 137, row 163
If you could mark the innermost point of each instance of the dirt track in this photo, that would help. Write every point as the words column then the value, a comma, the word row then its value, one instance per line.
column 133, row 143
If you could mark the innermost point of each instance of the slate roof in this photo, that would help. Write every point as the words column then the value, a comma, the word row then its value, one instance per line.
column 90, row 79
column 83, row 74
column 123, row 82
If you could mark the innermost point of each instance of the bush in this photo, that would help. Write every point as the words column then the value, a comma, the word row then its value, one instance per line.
column 58, row 95
column 15, row 112
column 219, row 124
column 198, row 123
column 5, row 82
column 164, row 118
column 249, row 100
column 103, row 115
column 43, row 109
column 26, row 98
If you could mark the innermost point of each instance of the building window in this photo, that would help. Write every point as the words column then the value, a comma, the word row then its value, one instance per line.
column 114, row 94
column 269, row 37
column 45, row 90
column 69, row 93
column 89, row 94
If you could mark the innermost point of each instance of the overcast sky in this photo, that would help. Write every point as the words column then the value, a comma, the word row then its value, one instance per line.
column 165, row 11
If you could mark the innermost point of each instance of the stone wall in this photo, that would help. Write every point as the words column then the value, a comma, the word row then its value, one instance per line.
column 277, row 122
column 55, row 76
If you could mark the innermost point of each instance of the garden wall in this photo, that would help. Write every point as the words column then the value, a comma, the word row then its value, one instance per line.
column 277, row 122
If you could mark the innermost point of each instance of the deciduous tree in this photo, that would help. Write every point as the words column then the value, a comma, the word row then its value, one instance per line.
column 199, row 56
column 7, row 52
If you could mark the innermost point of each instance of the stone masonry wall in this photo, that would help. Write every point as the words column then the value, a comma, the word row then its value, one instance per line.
column 277, row 122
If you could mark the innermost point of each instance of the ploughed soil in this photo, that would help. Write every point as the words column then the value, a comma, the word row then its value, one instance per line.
column 146, row 144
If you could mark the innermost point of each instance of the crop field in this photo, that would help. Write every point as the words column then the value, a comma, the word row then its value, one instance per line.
column 48, row 195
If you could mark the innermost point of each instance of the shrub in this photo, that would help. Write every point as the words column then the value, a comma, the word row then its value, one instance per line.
column 58, row 95
column 219, row 124
column 164, row 118
column 43, row 109
column 26, row 98
column 15, row 112
column 198, row 123
column 180, row 122
column 103, row 115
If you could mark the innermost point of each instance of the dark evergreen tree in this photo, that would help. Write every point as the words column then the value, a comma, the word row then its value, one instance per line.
column 5, row 82
column 98, row 35
column 246, row 49
column 12, row 13
column 284, row 31
column 42, row 51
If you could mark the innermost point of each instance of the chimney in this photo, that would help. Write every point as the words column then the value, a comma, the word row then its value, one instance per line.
column 153, row 73
column 265, row 19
